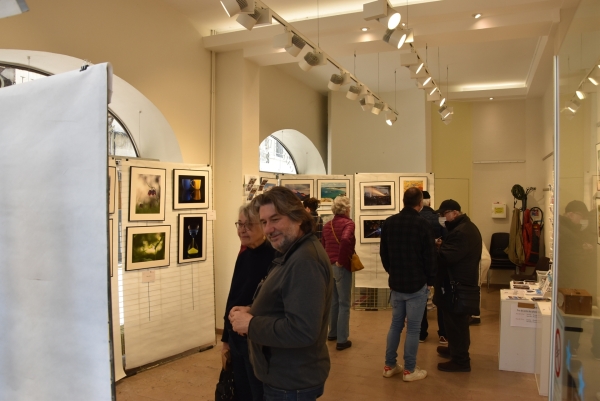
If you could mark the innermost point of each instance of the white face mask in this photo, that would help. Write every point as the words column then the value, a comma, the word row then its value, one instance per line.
column 442, row 221
column 584, row 224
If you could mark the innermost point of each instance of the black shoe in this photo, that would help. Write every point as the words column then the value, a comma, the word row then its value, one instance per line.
column 343, row 346
column 331, row 338
column 474, row 320
column 450, row 366
column 443, row 351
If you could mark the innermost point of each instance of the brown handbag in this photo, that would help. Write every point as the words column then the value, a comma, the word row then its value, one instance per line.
column 355, row 263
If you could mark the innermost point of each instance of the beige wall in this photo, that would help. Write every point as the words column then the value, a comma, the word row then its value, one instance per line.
column 150, row 45
column 362, row 142
column 502, row 131
column 286, row 103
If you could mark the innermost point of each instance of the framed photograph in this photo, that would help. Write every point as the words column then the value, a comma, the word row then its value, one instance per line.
column 147, row 246
column 370, row 229
column 267, row 183
column 112, row 189
column 249, row 182
column 147, row 194
column 110, row 246
column 302, row 188
column 328, row 190
column 192, row 238
column 378, row 195
column 408, row 182
column 190, row 189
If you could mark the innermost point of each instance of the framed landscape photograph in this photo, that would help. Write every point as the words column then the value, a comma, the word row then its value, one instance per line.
column 190, row 189
column 370, row 228
column 302, row 188
column 192, row 238
column 147, row 194
column 266, row 183
column 112, row 189
column 378, row 195
column 328, row 190
column 147, row 246
column 409, row 182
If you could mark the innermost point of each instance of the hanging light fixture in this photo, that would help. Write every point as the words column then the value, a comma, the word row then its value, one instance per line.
column 383, row 13
column 397, row 37
column 337, row 80
column 354, row 91
column 312, row 59
column 390, row 118
column 580, row 94
column 234, row 7
column 260, row 16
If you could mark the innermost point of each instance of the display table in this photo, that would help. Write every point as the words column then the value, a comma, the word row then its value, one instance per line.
column 520, row 318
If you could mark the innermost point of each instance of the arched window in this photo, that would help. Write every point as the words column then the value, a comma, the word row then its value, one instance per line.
column 275, row 158
column 119, row 139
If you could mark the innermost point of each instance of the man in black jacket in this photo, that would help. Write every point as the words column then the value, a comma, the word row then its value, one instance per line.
column 408, row 255
column 458, row 257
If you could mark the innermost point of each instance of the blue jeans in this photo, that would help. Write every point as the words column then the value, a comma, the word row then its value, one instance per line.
column 247, row 386
column 339, row 318
column 409, row 306
column 307, row 394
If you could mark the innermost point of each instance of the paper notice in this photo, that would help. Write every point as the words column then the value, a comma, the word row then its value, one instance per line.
column 523, row 315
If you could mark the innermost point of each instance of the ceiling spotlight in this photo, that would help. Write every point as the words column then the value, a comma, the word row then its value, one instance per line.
column 338, row 80
column 592, row 80
column 408, row 59
column 377, row 107
column 491, row 98
column 434, row 95
column 233, row 7
column 364, row 29
column 397, row 37
column 424, row 83
column 312, row 59
column 448, row 119
column 391, row 20
column 573, row 105
column 417, row 70
column 445, row 111
column 390, row 118
column 367, row 102
column 261, row 16
column 433, row 90
column 442, row 102
column 297, row 45
column 580, row 94
column 353, row 92
column 477, row 15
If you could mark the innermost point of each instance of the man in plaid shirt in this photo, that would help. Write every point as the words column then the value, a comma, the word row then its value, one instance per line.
column 408, row 254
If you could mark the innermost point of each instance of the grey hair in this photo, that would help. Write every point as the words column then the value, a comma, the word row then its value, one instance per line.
column 249, row 213
column 341, row 205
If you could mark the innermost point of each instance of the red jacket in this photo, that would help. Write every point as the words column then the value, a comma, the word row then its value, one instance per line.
column 344, row 230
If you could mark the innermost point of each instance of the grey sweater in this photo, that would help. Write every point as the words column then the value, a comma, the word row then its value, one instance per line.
column 287, row 335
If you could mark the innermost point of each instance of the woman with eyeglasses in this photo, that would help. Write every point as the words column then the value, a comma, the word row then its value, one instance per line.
column 251, row 266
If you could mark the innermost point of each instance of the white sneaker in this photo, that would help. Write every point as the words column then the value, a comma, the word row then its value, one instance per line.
column 389, row 372
column 443, row 340
column 417, row 374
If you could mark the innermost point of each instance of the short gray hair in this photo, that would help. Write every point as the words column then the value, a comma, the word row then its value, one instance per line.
column 249, row 213
column 341, row 205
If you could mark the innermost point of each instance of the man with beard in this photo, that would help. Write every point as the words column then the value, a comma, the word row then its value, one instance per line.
column 288, row 321
column 458, row 257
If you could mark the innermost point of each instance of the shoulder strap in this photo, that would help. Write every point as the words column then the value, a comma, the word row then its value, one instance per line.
column 333, row 231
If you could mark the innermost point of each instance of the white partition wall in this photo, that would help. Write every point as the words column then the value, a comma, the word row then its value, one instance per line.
column 168, row 307
column 54, row 337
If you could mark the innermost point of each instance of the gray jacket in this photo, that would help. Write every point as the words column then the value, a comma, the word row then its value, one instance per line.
column 288, row 333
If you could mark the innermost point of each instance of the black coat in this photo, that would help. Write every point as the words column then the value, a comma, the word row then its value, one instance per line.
column 459, row 255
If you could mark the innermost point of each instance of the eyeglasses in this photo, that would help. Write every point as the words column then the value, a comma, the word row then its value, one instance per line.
column 242, row 226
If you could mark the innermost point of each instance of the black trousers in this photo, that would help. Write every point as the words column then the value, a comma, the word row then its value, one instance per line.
column 458, row 336
column 425, row 324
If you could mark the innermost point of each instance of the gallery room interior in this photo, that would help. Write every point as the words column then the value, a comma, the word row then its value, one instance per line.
column 464, row 98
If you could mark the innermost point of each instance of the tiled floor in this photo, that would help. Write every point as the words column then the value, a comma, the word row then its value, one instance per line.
column 356, row 373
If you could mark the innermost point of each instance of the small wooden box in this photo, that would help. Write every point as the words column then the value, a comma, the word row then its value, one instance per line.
column 575, row 301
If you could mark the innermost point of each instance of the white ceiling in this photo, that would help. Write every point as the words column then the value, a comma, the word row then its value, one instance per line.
column 497, row 55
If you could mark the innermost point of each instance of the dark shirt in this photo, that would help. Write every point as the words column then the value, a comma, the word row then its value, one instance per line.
column 408, row 251
column 318, row 224
column 251, row 266
column 434, row 219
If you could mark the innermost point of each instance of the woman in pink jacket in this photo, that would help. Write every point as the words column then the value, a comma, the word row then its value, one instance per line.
column 338, row 240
